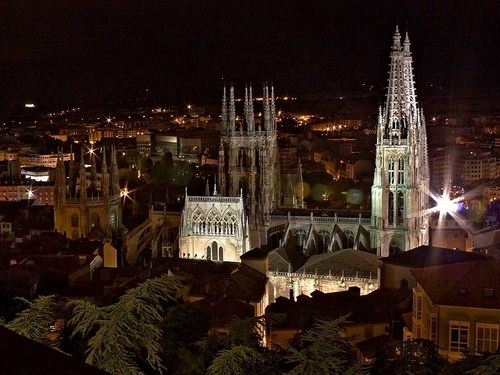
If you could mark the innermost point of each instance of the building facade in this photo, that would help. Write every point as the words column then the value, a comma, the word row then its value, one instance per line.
column 248, row 159
column 88, row 201
column 401, row 180
column 213, row 228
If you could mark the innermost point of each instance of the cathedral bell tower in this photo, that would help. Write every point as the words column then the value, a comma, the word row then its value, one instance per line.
column 401, row 182
column 248, row 159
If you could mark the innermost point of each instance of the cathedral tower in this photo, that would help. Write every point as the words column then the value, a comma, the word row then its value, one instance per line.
column 88, row 204
column 248, row 158
column 401, row 181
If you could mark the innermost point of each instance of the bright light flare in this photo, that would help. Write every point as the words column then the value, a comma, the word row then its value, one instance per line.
column 445, row 205
column 124, row 193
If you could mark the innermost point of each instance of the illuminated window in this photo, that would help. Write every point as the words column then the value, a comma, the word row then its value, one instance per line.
column 459, row 336
column 486, row 338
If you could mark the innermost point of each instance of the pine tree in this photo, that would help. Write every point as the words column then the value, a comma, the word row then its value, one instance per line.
column 34, row 321
column 324, row 350
column 127, row 334
column 239, row 360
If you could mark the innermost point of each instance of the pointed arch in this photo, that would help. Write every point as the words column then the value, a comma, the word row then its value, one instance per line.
column 324, row 239
column 214, row 221
column 198, row 221
column 229, row 222
column 348, row 240
column 401, row 171
column 300, row 239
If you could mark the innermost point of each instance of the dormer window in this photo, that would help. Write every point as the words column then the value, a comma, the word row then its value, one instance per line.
column 488, row 292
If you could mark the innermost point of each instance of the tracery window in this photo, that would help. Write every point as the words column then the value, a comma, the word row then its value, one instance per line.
column 391, row 171
column 324, row 240
column 198, row 221
column 300, row 239
column 401, row 171
column 229, row 225
column 348, row 240
column 214, row 222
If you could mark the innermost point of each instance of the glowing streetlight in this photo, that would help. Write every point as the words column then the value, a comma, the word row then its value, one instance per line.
column 446, row 205
column 124, row 193
column 31, row 193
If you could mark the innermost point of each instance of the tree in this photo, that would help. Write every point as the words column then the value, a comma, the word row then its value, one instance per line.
column 124, row 338
column 34, row 321
column 323, row 350
column 409, row 357
column 239, row 360
column 489, row 366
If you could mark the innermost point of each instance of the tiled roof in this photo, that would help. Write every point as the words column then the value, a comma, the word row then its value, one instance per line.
column 350, row 261
column 280, row 258
column 425, row 256
column 462, row 284
column 255, row 253
column 214, row 279
column 378, row 306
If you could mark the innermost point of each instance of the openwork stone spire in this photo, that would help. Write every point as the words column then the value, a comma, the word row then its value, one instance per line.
column 401, row 180
column 400, row 112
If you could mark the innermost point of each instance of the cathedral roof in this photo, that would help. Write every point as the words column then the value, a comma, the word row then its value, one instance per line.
column 281, row 258
column 350, row 262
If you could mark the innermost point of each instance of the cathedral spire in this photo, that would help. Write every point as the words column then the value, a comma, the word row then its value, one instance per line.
column 232, row 109
column 400, row 110
column 272, row 109
column 396, row 40
column 225, row 128
column 249, row 115
column 266, row 109
column 401, row 179
column 406, row 43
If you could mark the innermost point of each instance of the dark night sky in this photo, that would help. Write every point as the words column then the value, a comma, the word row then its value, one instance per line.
column 69, row 52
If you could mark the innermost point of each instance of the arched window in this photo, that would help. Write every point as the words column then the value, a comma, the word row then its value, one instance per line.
column 214, row 221
column 390, row 168
column 74, row 220
column 390, row 209
column 401, row 208
column 394, row 248
column 401, row 171
column 324, row 240
column 300, row 239
column 216, row 252
column 198, row 221
column 229, row 223
column 348, row 240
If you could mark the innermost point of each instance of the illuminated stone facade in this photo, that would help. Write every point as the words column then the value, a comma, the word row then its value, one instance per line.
column 401, row 181
column 213, row 228
column 88, row 202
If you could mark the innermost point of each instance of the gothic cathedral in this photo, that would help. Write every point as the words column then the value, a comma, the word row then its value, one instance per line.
column 248, row 159
column 399, row 220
